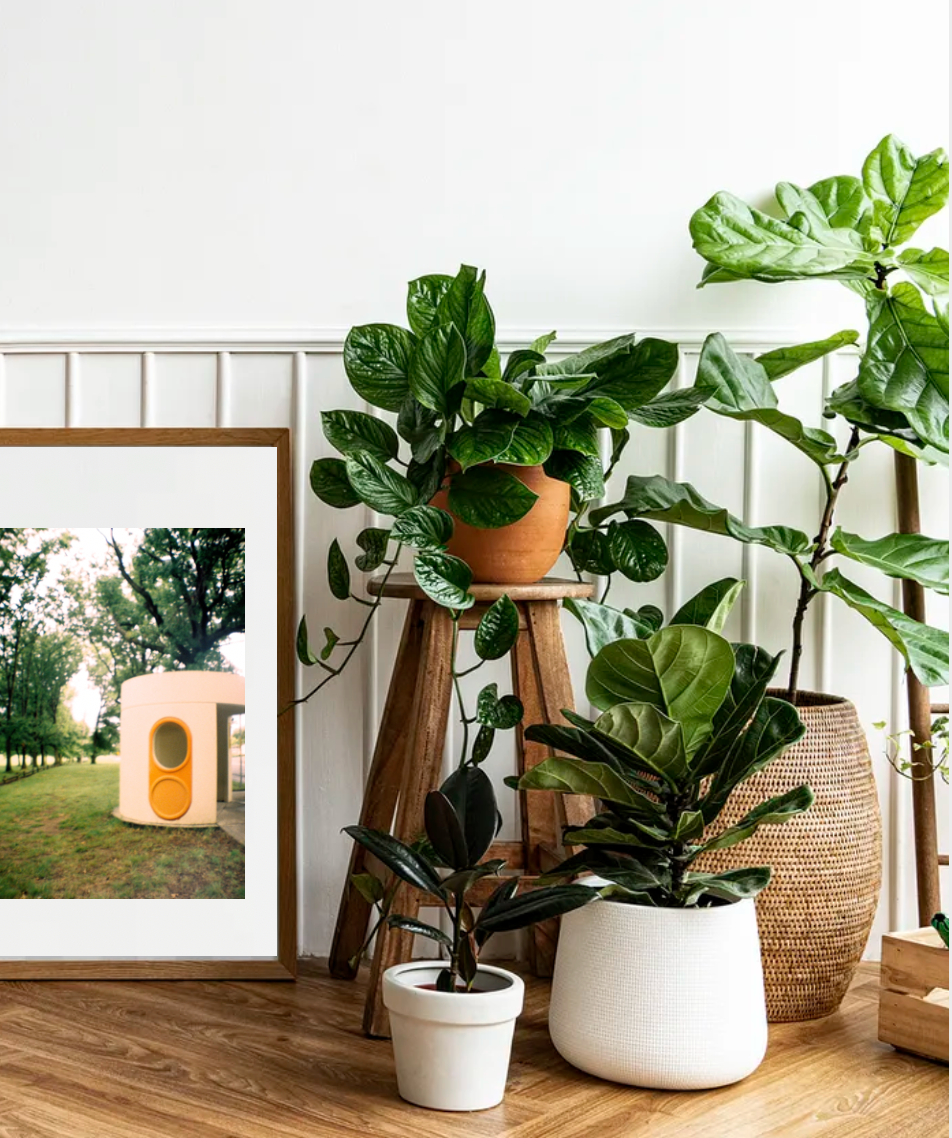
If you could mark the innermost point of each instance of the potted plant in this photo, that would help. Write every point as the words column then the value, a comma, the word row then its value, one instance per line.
column 658, row 983
column 847, row 229
column 452, row 1020
column 484, row 461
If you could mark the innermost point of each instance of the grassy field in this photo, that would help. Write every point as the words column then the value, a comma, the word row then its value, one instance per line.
column 58, row 838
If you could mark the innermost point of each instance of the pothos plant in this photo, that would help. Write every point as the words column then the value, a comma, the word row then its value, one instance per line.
column 461, row 821
column 460, row 415
column 852, row 230
column 685, row 720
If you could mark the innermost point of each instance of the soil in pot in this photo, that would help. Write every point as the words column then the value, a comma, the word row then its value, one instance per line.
column 521, row 553
column 817, row 911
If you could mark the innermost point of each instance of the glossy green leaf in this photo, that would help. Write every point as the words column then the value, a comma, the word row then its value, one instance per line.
column 302, row 647
column 399, row 858
column 730, row 234
column 485, row 439
column 489, row 498
column 634, row 376
column 338, row 573
column 711, row 607
column 541, row 343
column 470, row 790
column 445, row 830
column 670, row 408
column 377, row 362
column 844, row 202
column 655, row 739
column 482, row 744
column 589, row 552
column 641, row 837
column 423, row 300
column 638, row 550
column 465, row 305
column 438, row 368
column 573, row 776
column 500, row 713
column 354, row 431
column 733, row 885
column 588, row 360
column 580, row 435
column 418, row 426
column 604, row 624
column 739, row 388
column 425, row 528
column 330, row 483
column 905, row 190
column 498, row 630
column 929, row 270
column 531, row 443
column 444, row 579
column 689, row 826
column 492, row 368
column 783, row 361
column 649, row 615
column 774, row 812
column 536, row 905
column 910, row 556
column 847, row 401
column 906, row 365
column 419, row 928
column 775, row 726
column 608, row 412
column 682, row 670
column 520, row 362
column 925, row 649
column 369, row 887
column 499, row 394
column 582, row 472
column 331, row 640
column 374, row 544
column 382, row 488
column 427, row 477
column 660, row 500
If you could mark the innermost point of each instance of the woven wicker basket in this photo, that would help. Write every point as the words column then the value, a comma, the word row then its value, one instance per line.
column 816, row 914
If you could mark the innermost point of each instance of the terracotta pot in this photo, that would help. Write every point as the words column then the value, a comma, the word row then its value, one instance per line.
column 816, row 914
column 525, row 551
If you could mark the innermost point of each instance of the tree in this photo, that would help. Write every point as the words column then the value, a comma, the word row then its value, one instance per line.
column 184, row 596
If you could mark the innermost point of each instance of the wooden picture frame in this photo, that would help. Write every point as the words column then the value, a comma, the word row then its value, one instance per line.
column 283, row 964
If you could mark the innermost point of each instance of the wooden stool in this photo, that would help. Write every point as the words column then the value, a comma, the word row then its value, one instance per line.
column 408, row 761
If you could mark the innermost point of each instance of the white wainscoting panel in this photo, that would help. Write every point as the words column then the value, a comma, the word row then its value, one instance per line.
column 229, row 378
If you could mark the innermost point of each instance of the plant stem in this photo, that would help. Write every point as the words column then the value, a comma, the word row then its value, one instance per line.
column 457, row 687
column 354, row 644
column 820, row 552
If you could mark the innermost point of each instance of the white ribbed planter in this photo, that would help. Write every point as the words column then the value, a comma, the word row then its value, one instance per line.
column 451, row 1049
column 667, row 998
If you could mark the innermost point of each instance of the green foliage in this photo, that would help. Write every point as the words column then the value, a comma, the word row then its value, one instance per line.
column 461, row 820
column 685, row 720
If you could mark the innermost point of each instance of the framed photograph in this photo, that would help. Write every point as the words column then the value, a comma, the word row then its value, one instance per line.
column 147, row 818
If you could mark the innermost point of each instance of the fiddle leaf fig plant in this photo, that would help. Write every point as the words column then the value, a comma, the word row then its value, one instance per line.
column 851, row 229
column 462, row 419
column 685, row 719
column 461, row 820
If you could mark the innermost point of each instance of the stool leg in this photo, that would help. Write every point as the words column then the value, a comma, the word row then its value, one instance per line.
column 555, row 684
column 537, row 806
column 434, row 690
column 380, row 794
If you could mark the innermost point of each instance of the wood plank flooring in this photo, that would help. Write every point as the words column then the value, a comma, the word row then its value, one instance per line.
column 274, row 1060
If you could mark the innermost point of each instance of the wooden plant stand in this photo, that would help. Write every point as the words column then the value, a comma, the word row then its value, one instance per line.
column 914, row 993
column 408, row 759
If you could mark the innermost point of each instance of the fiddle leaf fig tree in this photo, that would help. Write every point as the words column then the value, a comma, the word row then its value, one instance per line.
column 462, row 419
column 852, row 229
column 685, row 719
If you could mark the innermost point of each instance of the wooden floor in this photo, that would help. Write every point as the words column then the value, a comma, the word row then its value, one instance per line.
column 255, row 1060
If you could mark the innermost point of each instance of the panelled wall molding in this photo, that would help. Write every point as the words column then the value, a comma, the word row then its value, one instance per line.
column 284, row 377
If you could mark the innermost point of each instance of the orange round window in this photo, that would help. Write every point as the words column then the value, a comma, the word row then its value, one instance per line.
column 170, row 797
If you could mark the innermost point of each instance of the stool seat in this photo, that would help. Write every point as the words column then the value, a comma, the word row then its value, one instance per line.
column 404, row 587
column 408, row 762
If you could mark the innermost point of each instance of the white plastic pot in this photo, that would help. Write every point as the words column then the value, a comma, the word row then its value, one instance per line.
column 665, row 998
column 451, row 1048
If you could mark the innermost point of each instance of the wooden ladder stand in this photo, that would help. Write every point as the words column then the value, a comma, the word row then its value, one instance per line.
column 408, row 761
column 921, row 713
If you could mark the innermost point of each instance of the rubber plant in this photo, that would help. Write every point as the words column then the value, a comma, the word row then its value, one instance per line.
column 461, row 820
column 457, row 408
column 685, row 719
column 852, row 230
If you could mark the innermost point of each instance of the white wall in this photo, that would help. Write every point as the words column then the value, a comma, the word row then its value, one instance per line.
column 196, row 200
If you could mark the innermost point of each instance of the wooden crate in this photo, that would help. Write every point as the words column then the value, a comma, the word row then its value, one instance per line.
column 914, row 993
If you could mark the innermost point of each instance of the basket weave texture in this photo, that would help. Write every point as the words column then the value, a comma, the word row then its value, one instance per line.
column 816, row 914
